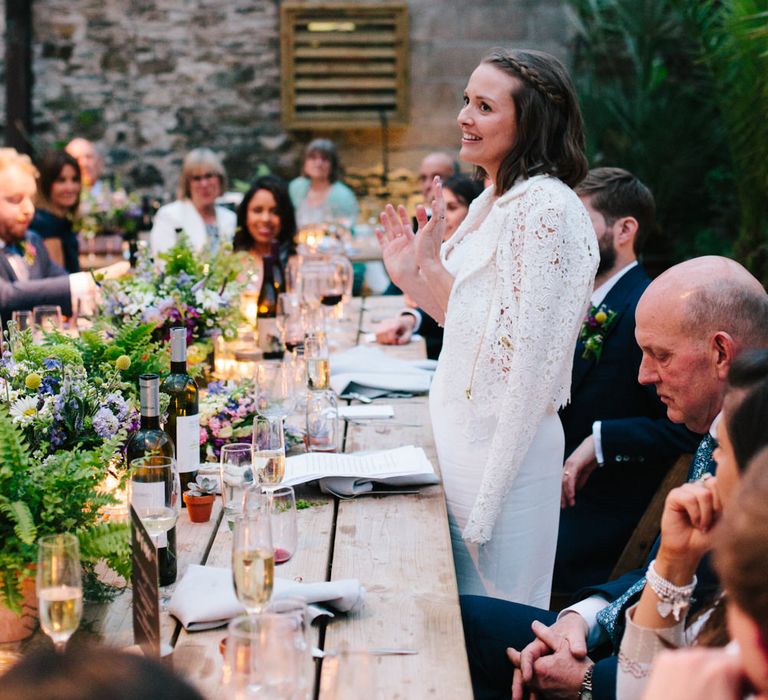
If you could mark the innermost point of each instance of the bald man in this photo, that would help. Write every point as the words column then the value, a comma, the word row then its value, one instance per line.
column 691, row 323
column 90, row 162
column 433, row 165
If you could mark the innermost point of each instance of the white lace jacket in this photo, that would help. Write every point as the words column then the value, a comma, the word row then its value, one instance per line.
column 512, row 321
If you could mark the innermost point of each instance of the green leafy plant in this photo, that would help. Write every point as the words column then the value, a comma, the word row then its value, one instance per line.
column 62, row 492
column 649, row 106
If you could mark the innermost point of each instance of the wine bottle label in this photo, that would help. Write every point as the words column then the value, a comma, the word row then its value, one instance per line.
column 187, row 443
column 269, row 335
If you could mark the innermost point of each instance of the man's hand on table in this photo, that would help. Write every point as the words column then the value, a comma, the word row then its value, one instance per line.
column 555, row 662
column 395, row 331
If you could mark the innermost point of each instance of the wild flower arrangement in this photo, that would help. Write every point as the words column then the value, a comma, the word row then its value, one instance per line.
column 109, row 211
column 196, row 290
column 226, row 415
column 61, row 492
column 594, row 329
column 67, row 406
column 53, row 401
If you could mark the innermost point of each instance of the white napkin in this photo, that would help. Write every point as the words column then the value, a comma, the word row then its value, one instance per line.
column 374, row 368
column 369, row 412
column 205, row 597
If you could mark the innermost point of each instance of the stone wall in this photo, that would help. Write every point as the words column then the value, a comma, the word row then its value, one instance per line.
column 149, row 79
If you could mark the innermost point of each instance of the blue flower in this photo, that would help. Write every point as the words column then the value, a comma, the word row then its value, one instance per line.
column 52, row 363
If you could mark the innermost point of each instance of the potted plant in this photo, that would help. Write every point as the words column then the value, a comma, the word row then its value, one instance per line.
column 199, row 498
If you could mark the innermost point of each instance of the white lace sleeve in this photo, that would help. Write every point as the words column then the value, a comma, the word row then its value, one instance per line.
column 546, row 264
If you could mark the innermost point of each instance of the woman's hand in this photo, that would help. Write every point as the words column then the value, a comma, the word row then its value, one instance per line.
column 398, row 247
column 432, row 231
column 690, row 512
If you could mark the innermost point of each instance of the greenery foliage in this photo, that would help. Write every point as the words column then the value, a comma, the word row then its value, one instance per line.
column 677, row 92
column 62, row 493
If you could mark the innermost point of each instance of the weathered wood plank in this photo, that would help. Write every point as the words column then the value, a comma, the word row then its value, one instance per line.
column 400, row 549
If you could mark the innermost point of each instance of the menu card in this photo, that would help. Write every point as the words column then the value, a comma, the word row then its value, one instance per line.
column 144, row 583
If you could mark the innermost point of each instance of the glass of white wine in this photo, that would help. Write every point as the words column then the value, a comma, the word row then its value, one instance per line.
column 316, row 358
column 268, row 450
column 154, row 491
column 59, row 586
column 253, row 559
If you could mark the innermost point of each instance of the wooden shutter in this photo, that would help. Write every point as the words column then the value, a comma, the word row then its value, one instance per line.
column 344, row 64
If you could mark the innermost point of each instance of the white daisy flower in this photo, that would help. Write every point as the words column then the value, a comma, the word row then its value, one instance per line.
column 24, row 410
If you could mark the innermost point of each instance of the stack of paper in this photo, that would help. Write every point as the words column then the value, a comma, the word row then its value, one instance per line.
column 351, row 474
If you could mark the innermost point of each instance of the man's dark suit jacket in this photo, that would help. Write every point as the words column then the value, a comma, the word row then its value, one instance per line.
column 639, row 444
column 47, row 284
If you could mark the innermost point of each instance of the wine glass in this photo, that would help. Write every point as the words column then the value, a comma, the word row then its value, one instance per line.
column 23, row 319
column 289, row 321
column 47, row 318
column 318, row 365
column 253, row 559
column 236, row 469
column 274, row 387
column 323, row 428
column 262, row 658
column 348, row 675
column 282, row 508
column 268, row 450
column 312, row 283
column 155, row 493
column 59, row 586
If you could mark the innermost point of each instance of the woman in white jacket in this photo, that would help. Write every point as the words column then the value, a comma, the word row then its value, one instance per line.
column 202, row 180
column 511, row 286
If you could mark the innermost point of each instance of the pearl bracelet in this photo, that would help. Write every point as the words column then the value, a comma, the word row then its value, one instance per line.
column 672, row 599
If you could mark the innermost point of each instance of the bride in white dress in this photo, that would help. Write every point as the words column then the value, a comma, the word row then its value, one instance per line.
column 511, row 287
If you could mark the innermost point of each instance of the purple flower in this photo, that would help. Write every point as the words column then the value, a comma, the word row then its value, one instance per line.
column 52, row 363
column 105, row 423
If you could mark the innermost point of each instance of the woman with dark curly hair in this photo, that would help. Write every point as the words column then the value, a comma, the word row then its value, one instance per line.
column 266, row 218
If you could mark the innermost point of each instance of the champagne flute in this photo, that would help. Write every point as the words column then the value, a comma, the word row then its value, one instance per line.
column 59, row 586
column 268, row 450
column 253, row 559
column 236, row 469
column 155, row 493
column 318, row 365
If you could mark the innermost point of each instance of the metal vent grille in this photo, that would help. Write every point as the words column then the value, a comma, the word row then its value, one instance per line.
column 344, row 64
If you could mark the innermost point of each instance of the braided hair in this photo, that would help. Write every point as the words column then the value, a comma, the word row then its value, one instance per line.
column 549, row 135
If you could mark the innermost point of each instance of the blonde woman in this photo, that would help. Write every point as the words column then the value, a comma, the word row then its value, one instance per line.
column 195, row 212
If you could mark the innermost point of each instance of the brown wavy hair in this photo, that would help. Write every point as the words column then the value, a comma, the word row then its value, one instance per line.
column 550, row 138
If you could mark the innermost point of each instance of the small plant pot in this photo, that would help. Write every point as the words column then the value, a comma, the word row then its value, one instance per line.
column 199, row 507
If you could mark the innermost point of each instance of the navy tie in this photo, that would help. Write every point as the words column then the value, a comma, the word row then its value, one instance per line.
column 609, row 617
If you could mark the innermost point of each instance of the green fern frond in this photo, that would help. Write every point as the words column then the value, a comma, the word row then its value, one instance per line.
column 13, row 451
column 25, row 527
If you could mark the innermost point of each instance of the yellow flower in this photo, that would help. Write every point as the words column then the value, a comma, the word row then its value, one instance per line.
column 195, row 354
column 33, row 381
column 601, row 317
column 123, row 362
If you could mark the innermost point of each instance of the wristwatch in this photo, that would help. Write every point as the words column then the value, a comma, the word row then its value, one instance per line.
column 585, row 692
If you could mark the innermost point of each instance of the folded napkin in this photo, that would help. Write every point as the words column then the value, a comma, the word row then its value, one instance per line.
column 348, row 486
column 205, row 597
column 372, row 412
column 371, row 367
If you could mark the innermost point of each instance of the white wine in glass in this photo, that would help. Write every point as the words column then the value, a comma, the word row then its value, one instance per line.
column 253, row 559
column 59, row 587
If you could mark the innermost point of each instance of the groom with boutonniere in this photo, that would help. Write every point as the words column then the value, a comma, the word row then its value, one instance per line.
column 28, row 277
column 618, row 441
